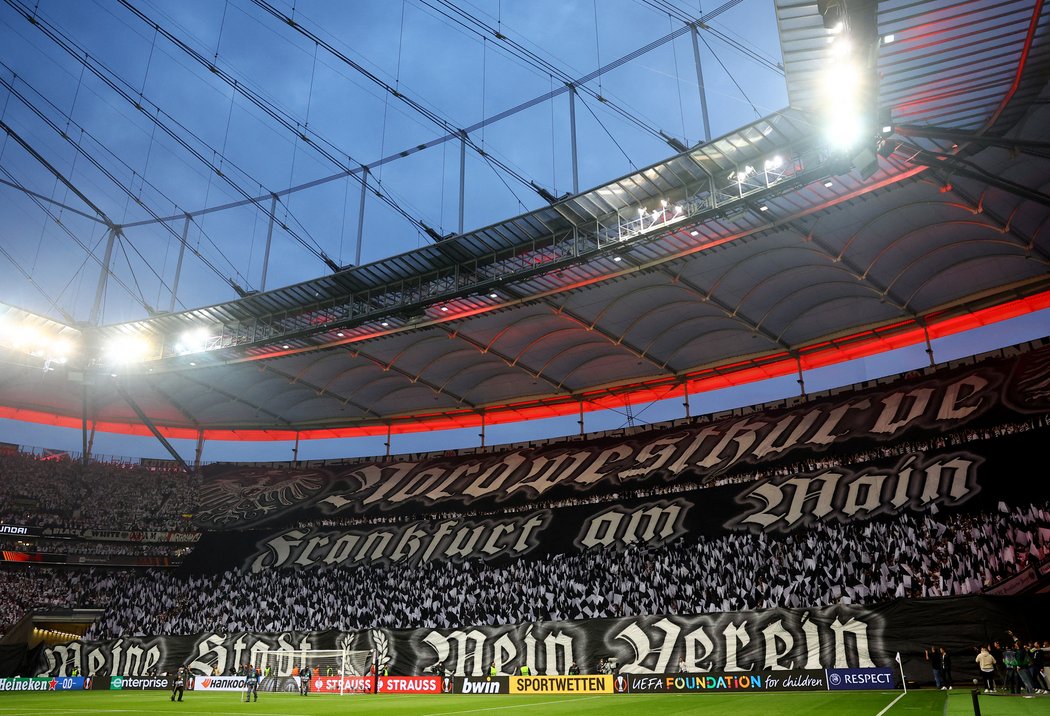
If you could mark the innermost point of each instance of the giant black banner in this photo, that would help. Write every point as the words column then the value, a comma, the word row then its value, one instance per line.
column 959, row 472
column 773, row 640
column 919, row 406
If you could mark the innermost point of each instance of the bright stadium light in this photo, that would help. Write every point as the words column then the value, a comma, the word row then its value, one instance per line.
column 841, row 47
column 192, row 341
column 126, row 349
column 845, row 128
column 60, row 350
column 23, row 337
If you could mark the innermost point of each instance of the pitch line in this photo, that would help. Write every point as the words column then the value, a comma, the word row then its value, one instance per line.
column 575, row 699
column 890, row 705
column 134, row 711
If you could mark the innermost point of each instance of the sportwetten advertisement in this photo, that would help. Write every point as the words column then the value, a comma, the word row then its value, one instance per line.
column 601, row 684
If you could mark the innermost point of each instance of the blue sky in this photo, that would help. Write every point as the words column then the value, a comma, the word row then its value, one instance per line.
column 443, row 62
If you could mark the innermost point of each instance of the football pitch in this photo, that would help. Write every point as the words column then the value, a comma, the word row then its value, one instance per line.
column 871, row 703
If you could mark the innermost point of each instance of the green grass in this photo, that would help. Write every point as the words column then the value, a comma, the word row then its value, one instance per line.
column 150, row 703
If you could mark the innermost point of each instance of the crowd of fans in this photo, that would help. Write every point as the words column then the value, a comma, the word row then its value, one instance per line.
column 911, row 555
column 101, row 549
column 59, row 492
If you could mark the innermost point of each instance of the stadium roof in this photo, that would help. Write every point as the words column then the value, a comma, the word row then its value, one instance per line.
column 759, row 254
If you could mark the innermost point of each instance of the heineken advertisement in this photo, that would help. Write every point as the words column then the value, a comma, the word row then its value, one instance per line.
column 45, row 683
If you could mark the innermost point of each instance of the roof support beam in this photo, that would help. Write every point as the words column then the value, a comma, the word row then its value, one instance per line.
column 1027, row 242
column 954, row 165
column 510, row 362
column 737, row 316
column 149, row 424
column 861, row 276
column 438, row 390
column 1025, row 145
column 237, row 399
column 592, row 327
column 103, row 277
column 319, row 390
column 613, row 339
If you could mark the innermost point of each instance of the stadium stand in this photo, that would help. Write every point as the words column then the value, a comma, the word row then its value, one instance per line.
column 57, row 491
column 985, row 530
column 910, row 556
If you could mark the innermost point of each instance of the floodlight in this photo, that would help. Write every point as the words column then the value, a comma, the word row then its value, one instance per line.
column 845, row 128
column 192, row 341
column 60, row 349
column 842, row 80
column 842, row 46
column 126, row 349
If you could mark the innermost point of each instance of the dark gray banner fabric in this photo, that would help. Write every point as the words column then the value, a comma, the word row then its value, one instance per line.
column 920, row 406
column 773, row 640
column 927, row 478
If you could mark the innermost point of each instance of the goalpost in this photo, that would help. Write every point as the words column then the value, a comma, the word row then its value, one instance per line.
column 332, row 671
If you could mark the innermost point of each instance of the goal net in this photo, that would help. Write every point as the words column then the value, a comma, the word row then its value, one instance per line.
column 318, row 671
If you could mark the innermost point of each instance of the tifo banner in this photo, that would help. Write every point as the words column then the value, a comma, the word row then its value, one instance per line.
column 600, row 684
column 919, row 478
column 778, row 643
column 154, row 536
column 923, row 405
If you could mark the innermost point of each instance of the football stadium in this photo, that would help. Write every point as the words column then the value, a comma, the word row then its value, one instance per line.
column 476, row 356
